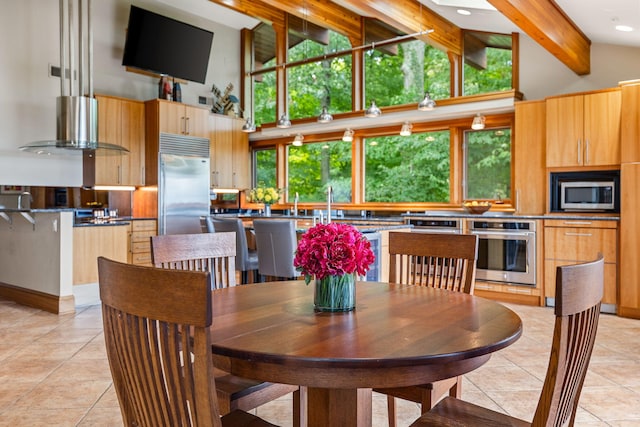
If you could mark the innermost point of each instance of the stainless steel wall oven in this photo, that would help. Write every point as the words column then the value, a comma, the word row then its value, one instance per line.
column 506, row 250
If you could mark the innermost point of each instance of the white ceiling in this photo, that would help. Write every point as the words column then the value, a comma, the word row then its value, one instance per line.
column 596, row 18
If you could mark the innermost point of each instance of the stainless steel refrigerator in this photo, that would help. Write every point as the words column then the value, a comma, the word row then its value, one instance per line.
column 183, row 184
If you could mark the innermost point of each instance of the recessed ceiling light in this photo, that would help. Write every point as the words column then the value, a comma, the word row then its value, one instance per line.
column 463, row 12
column 624, row 28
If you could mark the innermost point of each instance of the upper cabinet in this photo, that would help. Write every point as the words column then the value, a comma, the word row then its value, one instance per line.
column 170, row 117
column 584, row 130
column 121, row 122
column 529, row 157
column 630, row 123
column 229, row 153
column 182, row 119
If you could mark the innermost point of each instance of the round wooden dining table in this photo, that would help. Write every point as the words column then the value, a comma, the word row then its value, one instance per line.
column 398, row 335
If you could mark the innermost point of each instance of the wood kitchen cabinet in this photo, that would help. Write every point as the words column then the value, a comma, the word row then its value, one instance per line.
column 629, row 241
column 90, row 242
column 122, row 122
column 182, row 119
column 575, row 241
column 174, row 118
column 140, row 233
column 584, row 130
column 229, row 153
column 529, row 157
column 630, row 122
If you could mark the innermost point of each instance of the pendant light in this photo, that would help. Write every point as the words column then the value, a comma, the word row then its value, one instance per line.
column 248, row 126
column 348, row 135
column 478, row 122
column 324, row 116
column 373, row 110
column 427, row 104
column 297, row 141
column 406, row 129
column 284, row 122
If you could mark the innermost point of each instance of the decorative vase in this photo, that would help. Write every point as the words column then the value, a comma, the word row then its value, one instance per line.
column 267, row 209
column 335, row 293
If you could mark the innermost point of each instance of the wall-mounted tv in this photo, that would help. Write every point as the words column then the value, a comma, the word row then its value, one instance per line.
column 165, row 46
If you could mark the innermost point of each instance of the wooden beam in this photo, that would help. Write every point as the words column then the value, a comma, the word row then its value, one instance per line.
column 546, row 23
column 255, row 9
column 323, row 13
column 410, row 16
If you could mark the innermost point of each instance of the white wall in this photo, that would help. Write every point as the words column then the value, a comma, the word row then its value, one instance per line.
column 29, row 34
column 30, row 42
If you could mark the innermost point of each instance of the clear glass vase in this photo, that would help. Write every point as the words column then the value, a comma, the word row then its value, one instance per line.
column 335, row 293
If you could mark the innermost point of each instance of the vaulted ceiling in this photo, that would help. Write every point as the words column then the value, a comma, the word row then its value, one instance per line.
column 542, row 20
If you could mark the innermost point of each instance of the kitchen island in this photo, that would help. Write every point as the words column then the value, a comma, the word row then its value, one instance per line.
column 42, row 253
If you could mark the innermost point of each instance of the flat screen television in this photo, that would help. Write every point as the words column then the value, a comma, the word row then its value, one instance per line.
column 165, row 46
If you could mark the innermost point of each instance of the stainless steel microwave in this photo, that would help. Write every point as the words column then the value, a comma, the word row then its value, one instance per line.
column 587, row 195
column 595, row 191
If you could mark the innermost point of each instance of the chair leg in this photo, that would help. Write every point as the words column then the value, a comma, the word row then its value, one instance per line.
column 244, row 277
column 391, row 410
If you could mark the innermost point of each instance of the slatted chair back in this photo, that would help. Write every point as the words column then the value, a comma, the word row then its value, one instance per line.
column 158, row 345
column 579, row 290
column 212, row 252
column 446, row 261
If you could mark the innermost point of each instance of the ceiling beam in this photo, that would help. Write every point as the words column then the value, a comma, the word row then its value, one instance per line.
column 410, row 16
column 546, row 23
column 255, row 9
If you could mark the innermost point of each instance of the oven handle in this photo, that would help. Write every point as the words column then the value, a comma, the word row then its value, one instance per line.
column 436, row 230
column 502, row 234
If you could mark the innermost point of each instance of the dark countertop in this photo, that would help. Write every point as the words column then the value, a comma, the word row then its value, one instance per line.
column 508, row 216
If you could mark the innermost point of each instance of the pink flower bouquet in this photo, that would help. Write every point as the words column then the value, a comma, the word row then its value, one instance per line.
column 333, row 250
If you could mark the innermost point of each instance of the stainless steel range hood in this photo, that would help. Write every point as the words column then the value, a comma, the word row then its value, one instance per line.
column 77, row 115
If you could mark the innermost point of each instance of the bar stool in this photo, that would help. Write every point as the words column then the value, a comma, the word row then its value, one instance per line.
column 276, row 242
column 246, row 260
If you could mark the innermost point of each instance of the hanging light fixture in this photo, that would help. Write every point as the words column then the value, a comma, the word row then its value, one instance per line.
column 478, row 122
column 427, row 104
column 348, row 135
column 325, row 117
column 284, row 122
column 248, row 126
column 297, row 141
column 406, row 129
column 373, row 110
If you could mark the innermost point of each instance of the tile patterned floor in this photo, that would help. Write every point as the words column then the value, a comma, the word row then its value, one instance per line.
column 53, row 371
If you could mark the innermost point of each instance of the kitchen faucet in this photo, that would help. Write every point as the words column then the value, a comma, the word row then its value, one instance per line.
column 329, row 195
column 24, row 193
column 295, row 205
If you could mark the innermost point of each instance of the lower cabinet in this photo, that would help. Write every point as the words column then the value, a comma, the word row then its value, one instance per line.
column 90, row 242
column 575, row 241
column 140, row 241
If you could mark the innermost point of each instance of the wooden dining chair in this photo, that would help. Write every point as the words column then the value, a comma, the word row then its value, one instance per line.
column 212, row 252
column 579, row 290
column 162, row 375
column 445, row 261
column 215, row 253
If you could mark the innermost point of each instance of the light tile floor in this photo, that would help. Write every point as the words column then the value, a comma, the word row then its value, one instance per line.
column 53, row 371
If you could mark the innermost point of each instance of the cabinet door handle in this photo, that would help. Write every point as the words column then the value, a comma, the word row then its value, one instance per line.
column 517, row 200
column 186, row 126
column 578, row 234
column 579, row 151
column 577, row 222
column 586, row 151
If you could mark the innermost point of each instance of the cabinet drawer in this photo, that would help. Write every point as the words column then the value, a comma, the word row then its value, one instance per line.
column 610, row 280
column 142, row 236
column 141, row 258
column 581, row 223
column 580, row 244
column 138, row 247
column 144, row 225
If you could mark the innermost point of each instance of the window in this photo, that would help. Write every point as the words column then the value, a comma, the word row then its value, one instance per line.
column 264, row 96
column 314, row 167
column 488, row 62
column 402, row 73
column 488, row 164
column 408, row 168
column 324, row 83
column 265, row 167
